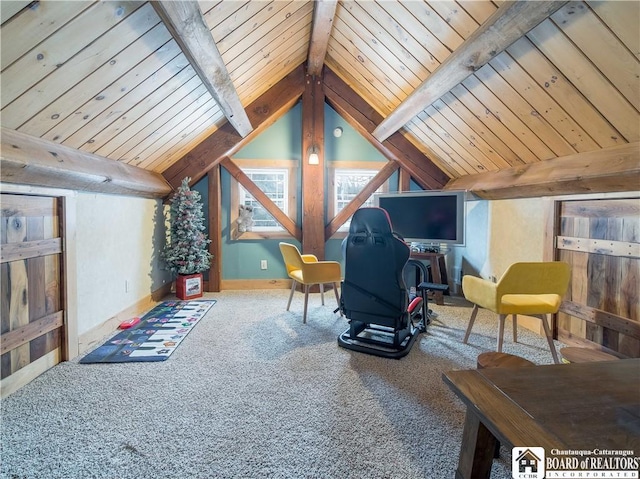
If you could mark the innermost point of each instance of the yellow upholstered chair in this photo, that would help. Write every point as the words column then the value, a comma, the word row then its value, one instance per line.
column 307, row 270
column 532, row 289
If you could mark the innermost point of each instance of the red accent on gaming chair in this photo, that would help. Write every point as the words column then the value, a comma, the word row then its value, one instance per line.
column 374, row 296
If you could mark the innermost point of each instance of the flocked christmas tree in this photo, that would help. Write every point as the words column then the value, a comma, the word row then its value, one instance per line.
column 186, row 251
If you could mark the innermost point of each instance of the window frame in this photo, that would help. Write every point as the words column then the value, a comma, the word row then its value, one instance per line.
column 336, row 166
column 291, row 166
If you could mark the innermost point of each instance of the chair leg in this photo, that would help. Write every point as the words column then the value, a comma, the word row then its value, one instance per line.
column 335, row 290
column 293, row 288
column 322, row 293
column 474, row 313
column 306, row 300
column 515, row 328
column 547, row 332
column 501, row 320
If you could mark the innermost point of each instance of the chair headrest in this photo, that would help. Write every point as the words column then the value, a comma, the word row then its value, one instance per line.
column 371, row 221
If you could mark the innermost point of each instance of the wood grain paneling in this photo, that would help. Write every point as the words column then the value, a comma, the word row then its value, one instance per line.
column 313, row 176
column 263, row 113
column 30, row 249
column 32, row 320
column 540, row 99
column 601, row 240
column 108, row 78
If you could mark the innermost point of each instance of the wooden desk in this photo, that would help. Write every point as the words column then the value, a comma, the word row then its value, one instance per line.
column 565, row 406
column 438, row 271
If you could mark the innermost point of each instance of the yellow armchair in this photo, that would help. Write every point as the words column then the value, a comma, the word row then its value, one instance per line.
column 307, row 270
column 532, row 289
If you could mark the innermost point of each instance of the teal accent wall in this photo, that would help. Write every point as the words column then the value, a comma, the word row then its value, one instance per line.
column 241, row 258
column 351, row 146
column 283, row 140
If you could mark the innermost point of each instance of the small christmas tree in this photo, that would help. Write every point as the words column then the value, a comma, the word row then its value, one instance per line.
column 186, row 251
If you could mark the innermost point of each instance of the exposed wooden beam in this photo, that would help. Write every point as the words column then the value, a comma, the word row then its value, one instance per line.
column 404, row 180
column 239, row 175
column 28, row 160
column 371, row 187
column 323, row 13
column 215, row 228
column 187, row 26
column 263, row 113
column 313, row 185
column 507, row 24
column 363, row 118
column 611, row 169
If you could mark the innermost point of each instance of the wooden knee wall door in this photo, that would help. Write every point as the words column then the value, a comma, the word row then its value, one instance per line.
column 32, row 321
column 599, row 238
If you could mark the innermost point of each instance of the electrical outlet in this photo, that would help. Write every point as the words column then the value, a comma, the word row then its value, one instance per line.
column 263, row 264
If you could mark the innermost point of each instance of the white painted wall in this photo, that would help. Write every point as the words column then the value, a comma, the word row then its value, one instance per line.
column 499, row 233
column 517, row 232
column 119, row 240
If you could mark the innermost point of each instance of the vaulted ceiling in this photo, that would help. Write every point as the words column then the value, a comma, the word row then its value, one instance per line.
column 475, row 87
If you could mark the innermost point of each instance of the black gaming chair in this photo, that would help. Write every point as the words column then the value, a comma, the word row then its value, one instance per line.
column 374, row 298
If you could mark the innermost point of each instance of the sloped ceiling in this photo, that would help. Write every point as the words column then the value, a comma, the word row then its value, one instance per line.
column 111, row 79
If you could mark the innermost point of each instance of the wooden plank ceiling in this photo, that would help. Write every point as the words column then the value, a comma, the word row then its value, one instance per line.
column 137, row 83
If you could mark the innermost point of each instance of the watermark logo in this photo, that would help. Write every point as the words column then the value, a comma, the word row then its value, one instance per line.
column 527, row 462
column 533, row 463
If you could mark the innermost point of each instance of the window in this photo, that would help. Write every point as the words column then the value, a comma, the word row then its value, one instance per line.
column 348, row 183
column 349, row 178
column 275, row 178
column 275, row 184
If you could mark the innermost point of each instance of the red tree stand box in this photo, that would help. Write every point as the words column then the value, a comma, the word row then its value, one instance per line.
column 189, row 286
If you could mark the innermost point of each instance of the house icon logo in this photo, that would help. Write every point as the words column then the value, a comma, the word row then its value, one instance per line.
column 527, row 463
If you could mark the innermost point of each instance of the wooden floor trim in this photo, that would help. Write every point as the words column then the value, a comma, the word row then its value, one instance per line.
column 24, row 376
column 97, row 334
column 244, row 284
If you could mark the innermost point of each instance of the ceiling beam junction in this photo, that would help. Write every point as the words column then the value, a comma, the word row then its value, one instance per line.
column 363, row 118
column 187, row 26
column 508, row 23
column 264, row 111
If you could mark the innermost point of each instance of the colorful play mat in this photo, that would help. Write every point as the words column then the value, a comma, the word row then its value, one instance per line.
column 155, row 337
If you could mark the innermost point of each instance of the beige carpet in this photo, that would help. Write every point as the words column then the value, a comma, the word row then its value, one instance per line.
column 253, row 393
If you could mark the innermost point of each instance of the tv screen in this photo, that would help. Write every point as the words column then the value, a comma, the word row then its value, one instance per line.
column 426, row 216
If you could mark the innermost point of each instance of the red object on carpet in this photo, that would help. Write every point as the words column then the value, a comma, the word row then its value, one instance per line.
column 129, row 323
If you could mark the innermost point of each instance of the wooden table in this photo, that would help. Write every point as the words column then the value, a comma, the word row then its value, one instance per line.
column 578, row 406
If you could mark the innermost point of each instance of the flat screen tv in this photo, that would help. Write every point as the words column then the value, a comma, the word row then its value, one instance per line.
column 430, row 216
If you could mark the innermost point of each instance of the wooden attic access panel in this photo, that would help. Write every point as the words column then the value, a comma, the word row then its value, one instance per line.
column 600, row 239
column 31, row 286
